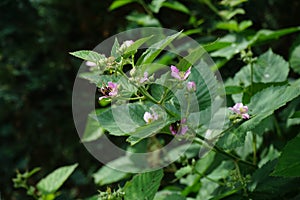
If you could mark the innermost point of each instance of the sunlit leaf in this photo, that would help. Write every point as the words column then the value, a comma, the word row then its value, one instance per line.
column 295, row 59
column 143, row 186
column 106, row 175
column 154, row 50
column 119, row 3
column 88, row 55
column 54, row 181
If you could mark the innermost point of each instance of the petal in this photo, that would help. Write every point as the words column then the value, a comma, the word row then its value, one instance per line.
column 238, row 106
column 174, row 69
column 147, row 117
column 183, row 121
column 145, row 78
column 175, row 72
column 245, row 116
column 90, row 64
column 172, row 130
column 113, row 93
column 191, row 86
column 183, row 130
column 245, row 108
column 112, row 85
column 187, row 73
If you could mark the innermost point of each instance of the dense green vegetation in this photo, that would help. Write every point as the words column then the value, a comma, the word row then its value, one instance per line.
column 246, row 40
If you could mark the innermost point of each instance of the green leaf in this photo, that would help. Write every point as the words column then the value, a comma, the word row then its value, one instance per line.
column 168, row 195
column 296, row 115
column 154, row 50
column 267, row 35
column 232, row 3
column 238, row 43
column 204, row 162
column 295, row 59
column 183, row 171
column 244, row 25
column 156, row 5
column 231, row 25
column 137, row 44
column 207, row 86
column 52, row 182
column 262, row 105
column 121, row 120
column 175, row 5
column 119, row 3
column 147, row 131
column 143, row 186
column 93, row 130
column 233, row 89
column 268, row 187
column 143, row 19
column 268, row 68
column 289, row 162
column 88, row 55
column 228, row 14
column 106, row 175
column 115, row 49
column 191, row 59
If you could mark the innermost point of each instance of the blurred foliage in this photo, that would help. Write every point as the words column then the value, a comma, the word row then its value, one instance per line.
column 37, row 74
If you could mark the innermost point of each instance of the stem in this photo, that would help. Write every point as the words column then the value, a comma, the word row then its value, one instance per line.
column 148, row 11
column 145, row 93
column 133, row 98
column 210, row 179
column 212, row 7
column 203, row 141
column 188, row 106
column 254, row 148
column 226, row 130
column 166, row 93
column 277, row 127
column 240, row 177
column 132, row 61
column 251, row 78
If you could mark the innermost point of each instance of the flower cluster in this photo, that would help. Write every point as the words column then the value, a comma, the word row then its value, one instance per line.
column 240, row 110
column 179, row 127
column 109, row 90
column 180, row 75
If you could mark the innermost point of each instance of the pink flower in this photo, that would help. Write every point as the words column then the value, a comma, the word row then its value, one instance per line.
column 150, row 117
column 110, row 90
column 127, row 43
column 179, row 127
column 90, row 64
column 180, row 75
column 241, row 110
column 145, row 78
column 191, row 86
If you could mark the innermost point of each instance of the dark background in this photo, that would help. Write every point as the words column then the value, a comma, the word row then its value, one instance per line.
column 37, row 74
